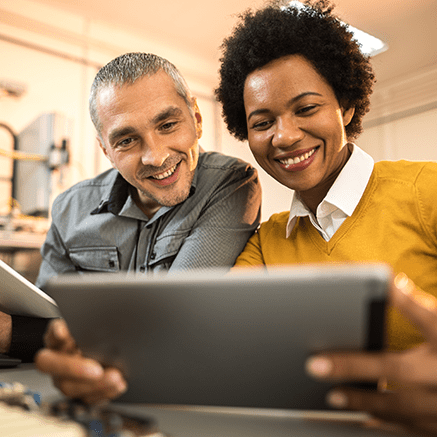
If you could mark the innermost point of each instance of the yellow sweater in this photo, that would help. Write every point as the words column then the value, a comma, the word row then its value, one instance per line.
column 395, row 222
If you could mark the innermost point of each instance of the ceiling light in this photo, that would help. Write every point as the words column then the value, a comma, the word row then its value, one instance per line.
column 10, row 88
column 369, row 44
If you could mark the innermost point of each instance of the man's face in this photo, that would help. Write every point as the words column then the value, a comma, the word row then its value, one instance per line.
column 296, row 127
column 151, row 137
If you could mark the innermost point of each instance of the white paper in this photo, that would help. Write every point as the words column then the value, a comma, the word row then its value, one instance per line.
column 19, row 296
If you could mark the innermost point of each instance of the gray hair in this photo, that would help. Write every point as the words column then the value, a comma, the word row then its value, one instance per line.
column 126, row 69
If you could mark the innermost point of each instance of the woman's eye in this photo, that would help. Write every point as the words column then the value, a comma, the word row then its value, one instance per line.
column 261, row 125
column 306, row 109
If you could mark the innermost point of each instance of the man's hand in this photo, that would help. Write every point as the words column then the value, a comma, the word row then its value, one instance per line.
column 413, row 401
column 76, row 376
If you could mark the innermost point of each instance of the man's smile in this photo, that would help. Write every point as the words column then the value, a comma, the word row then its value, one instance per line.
column 167, row 177
column 166, row 173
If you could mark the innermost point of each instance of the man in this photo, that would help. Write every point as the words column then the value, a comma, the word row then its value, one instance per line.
column 166, row 205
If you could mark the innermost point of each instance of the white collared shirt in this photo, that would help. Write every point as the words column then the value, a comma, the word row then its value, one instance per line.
column 342, row 198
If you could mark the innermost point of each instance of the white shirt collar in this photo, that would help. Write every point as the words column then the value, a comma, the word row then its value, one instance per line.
column 344, row 195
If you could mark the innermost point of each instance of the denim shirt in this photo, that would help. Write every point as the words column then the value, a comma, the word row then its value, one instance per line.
column 97, row 227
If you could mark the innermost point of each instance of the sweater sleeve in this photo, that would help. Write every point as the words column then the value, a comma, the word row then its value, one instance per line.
column 252, row 254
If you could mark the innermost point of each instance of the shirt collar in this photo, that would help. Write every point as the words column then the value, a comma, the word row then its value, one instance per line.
column 345, row 193
column 115, row 196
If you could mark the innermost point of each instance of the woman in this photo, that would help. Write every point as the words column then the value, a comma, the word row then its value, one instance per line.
column 295, row 84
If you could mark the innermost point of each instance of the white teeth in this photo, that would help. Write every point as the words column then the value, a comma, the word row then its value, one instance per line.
column 166, row 174
column 298, row 159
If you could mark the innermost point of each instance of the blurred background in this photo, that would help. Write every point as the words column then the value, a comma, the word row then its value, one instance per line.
column 51, row 49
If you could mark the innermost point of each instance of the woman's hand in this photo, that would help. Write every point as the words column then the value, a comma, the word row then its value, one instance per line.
column 414, row 372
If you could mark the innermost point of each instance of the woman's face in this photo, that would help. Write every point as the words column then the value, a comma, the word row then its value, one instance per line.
column 296, row 126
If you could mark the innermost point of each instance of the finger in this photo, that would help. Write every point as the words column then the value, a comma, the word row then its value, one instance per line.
column 415, row 366
column 58, row 337
column 59, row 364
column 407, row 407
column 109, row 386
column 415, row 304
column 357, row 366
column 112, row 387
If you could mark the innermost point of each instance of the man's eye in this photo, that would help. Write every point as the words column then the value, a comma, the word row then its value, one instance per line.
column 168, row 126
column 125, row 142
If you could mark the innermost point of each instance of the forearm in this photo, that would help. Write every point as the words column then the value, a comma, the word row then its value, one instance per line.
column 5, row 332
column 223, row 228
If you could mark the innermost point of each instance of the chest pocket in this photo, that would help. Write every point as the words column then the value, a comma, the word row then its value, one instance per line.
column 97, row 259
column 165, row 249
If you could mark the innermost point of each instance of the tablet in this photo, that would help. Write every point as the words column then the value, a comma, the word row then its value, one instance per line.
column 241, row 339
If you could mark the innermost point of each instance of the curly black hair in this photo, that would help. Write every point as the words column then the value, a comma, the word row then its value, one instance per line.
column 278, row 30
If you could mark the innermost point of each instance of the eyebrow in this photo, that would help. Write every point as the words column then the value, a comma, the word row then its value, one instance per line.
column 290, row 102
column 118, row 133
column 172, row 111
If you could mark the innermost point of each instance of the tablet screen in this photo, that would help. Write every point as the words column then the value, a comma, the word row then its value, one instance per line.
column 205, row 338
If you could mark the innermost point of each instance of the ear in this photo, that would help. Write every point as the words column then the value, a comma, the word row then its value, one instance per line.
column 197, row 119
column 348, row 115
column 105, row 151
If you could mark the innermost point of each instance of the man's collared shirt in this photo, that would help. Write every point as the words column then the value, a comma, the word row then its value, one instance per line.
column 97, row 227
column 342, row 198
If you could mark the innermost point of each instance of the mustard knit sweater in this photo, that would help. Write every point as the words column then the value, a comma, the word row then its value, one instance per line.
column 395, row 222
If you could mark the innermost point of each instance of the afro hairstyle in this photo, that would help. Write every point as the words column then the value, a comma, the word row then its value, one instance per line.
column 281, row 29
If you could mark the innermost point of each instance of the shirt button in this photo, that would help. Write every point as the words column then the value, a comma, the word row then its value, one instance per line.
column 142, row 269
column 153, row 255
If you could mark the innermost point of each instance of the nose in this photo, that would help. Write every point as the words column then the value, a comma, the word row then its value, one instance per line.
column 287, row 132
column 154, row 153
